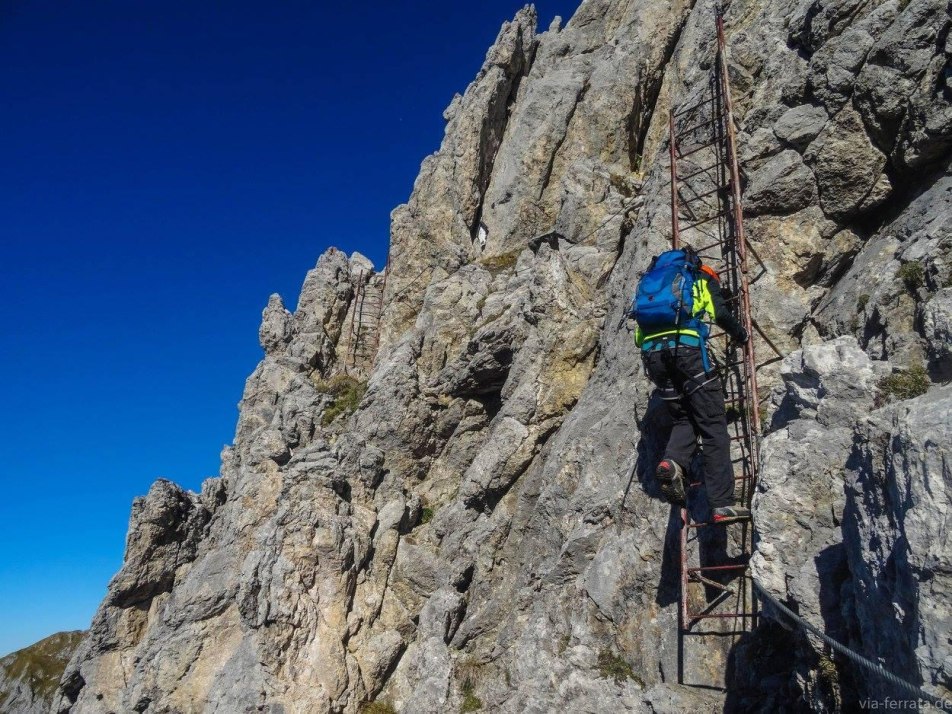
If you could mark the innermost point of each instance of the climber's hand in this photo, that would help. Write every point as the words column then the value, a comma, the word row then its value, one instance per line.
column 743, row 337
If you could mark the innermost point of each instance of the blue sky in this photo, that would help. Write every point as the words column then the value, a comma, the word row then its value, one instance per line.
column 166, row 166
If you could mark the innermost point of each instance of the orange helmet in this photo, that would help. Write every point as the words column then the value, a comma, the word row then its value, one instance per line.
column 710, row 272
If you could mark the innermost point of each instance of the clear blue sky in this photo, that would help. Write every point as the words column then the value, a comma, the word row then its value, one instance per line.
column 166, row 166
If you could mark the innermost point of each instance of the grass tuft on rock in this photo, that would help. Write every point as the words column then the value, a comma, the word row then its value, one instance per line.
column 469, row 672
column 380, row 707
column 830, row 677
column 862, row 302
column 912, row 383
column 497, row 263
column 611, row 666
column 471, row 703
column 346, row 393
column 912, row 275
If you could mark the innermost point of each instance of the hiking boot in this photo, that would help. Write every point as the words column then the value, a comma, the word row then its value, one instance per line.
column 671, row 479
column 728, row 514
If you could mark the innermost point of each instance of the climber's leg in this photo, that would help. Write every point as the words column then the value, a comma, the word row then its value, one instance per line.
column 706, row 404
column 683, row 440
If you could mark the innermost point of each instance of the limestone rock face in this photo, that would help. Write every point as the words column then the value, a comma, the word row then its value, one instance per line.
column 937, row 325
column 801, row 496
column 852, row 528
column 466, row 508
column 897, row 515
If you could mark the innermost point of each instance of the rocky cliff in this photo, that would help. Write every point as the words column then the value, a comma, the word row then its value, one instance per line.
column 446, row 524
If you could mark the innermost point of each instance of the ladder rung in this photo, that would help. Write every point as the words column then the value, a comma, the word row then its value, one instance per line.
column 736, row 478
column 682, row 132
column 705, row 568
column 705, row 524
column 698, row 172
column 685, row 154
column 737, row 615
column 701, row 580
column 693, row 107
column 715, row 217
column 699, row 196
column 708, row 247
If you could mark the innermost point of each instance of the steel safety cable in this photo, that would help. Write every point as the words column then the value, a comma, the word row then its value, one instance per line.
column 909, row 688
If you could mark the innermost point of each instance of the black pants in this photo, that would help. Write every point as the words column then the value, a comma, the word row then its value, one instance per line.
column 695, row 402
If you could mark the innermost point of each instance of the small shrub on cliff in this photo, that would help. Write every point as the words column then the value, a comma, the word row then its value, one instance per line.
column 346, row 393
column 912, row 275
column 862, row 302
column 903, row 385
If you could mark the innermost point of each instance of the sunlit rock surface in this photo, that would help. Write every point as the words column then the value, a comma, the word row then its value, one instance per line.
column 443, row 521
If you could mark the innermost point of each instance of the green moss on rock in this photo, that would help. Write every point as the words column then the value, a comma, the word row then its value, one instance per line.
column 612, row 666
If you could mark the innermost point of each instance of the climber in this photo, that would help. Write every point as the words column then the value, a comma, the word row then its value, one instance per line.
column 668, row 308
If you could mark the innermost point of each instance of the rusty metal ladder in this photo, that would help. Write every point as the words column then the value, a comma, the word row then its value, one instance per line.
column 707, row 212
column 365, row 320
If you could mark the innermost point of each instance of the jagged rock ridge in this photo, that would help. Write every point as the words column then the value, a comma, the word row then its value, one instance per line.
column 462, row 533
column 29, row 677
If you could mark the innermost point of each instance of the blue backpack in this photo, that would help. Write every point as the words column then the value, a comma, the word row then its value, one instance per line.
column 665, row 296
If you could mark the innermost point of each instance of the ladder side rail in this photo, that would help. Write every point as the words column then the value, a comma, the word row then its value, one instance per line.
column 348, row 357
column 739, row 232
column 383, row 295
column 357, row 319
column 672, row 149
